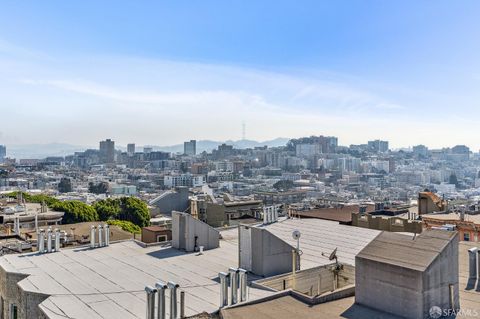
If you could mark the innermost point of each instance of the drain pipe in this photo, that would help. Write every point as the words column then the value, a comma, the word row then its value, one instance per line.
column 173, row 299
column 223, row 289
column 161, row 287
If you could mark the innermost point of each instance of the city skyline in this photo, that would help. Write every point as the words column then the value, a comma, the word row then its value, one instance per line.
column 307, row 71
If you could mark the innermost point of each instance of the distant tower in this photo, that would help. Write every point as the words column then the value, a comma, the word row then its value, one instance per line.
column 243, row 130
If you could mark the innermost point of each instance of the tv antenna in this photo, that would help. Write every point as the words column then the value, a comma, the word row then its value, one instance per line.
column 243, row 130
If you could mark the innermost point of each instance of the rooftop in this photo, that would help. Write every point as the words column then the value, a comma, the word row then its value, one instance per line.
column 286, row 306
column 81, row 283
column 323, row 236
column 405, row 251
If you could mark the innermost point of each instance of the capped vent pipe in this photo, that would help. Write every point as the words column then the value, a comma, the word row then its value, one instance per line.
column 100, row 236
column 49, row 240
column 150, row 301
column 173, row 299
column 41, row 241
column 161, row 287
column 107, row 234
column 57, row 240
column 223, row 289
column 242, row 273
column 92, row 236
column 233, row 285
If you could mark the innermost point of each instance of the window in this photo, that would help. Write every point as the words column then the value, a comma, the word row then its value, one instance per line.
column 13, row 311
column 161, row 238
column 466, row 236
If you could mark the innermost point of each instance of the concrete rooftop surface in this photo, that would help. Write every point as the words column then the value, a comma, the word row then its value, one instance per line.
column 109, row 282
column 323, row 236
column 286, row 307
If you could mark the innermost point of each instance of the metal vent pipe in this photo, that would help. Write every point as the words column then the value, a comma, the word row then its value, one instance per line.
column 223, row 289
column 173, row 299
column 100, row 236
column 150, row 302
column 92, row 236
column 107, row 234
column 242, row 273
column 161, row 287
column 233, row 285
column 49, row 240
column 57, row 240
column 41, row 241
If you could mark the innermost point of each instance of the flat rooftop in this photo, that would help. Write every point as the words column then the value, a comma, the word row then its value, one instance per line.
column 323, row 236
column 109, row 282
column 286, row 307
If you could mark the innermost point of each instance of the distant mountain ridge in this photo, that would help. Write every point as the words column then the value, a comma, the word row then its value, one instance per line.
column 33, row 151
column 208, row 145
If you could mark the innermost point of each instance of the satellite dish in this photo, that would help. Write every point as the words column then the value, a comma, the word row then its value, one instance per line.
column 296, row 234
column 333, row 255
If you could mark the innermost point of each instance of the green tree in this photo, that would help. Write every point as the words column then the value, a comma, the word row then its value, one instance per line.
column 107, row 209
column 453, row 179
column 125, row 208
column 75, row 211
column 126, row 226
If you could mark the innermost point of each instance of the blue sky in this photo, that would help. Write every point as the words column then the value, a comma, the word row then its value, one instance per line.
column 160, row 72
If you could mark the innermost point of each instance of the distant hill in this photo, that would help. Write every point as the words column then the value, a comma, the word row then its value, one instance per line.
column 208, row 146
column 31, row 151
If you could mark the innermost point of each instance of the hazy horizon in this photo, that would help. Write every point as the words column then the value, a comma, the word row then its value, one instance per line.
column 158, row 74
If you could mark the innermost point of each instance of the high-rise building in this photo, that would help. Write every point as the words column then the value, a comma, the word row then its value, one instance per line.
column 378, row 146
column 190, row 148
column 107, row 151
column 147, row 150
column 131, row 149
column 3, row 153
column 420, row 150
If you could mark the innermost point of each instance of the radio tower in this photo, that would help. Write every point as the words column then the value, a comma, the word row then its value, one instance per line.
column 243, row 130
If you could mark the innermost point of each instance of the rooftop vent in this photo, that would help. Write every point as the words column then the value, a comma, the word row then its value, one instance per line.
column 160, row 307
column 102, row 232
column 52, row 239
column 270, row 214
column 236, row 279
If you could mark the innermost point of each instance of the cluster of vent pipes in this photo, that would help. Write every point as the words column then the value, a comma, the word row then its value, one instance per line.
column 159, row 290
column 103, row 236
column 236, row 278
column 270, row 214
column 48, row 236
column 474, row 263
